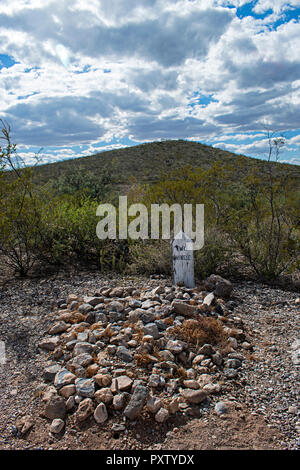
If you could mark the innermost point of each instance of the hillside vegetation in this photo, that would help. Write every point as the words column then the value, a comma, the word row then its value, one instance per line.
column 146, row 162
column 252, row 223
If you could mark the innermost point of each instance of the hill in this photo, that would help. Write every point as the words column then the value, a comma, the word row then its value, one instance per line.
column 145, row 162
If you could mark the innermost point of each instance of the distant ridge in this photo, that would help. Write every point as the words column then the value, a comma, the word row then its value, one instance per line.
column 145, row 162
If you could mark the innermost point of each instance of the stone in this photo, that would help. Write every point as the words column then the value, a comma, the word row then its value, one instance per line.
column 121, row 383
column 119, row 401
column 85, row 308
column 49, row 344
column 193, row 384
column 58, row 327
column 104, row 396
column 55, row 408
column 204, row 379
column 221, row 408
column 85, row 410
column 83, row 347
column 100, row 414
column 230, row 373
column 137, row 402
column 94, row 301
column 92, row 370
column 152, row 330
column 124, row 354
column 175, row 347
column 83, row 360
column 173, row 406
column 57, row 426
column 103, row 380
column 70, row 403
column 153, row 404
column 209, row 299
column 24, row 424
column 85, row 387
column 67, row 391
column 194, row 396
column 183, row 308
column 207, row 350
column 220, row 286
column 117, row 292
column 50, row 372
column 64, row 377
column 233, row 363
column 211, row 388
column 116, row 306
column 162, row 415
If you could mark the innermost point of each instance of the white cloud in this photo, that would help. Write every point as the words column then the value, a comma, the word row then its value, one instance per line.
column 93, row 72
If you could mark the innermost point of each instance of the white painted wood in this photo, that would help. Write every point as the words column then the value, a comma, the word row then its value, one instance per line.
column 183, row 260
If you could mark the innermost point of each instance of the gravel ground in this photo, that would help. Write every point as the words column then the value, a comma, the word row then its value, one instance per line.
column 267, row 390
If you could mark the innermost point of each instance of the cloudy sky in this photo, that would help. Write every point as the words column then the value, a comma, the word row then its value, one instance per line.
column 78, row 77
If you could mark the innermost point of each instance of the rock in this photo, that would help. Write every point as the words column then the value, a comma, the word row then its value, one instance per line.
column 57, row 426
column 183, row 308
column 153, row 404
column 117, row 292
column 137, row 402
column 85, row 387
column 124, row 354
column 217, row 359
column 211, row 389
column 207, row 350
column 85, row 308
column 92, row 370
column 67, row 391
column 221, row 408
column 209, row 299
column 58, row 327
column 64, row 377
column 55, row 408
column 162, row 415
column 193, row 384
column 100, row 414
column 83, row 347
column 121, row 383
column 83, row 360
column 104, row 396
column 175, row 347
column 233, row 363
column 24, row 424
column 194, row 396
column 151, row 329
column 49, row 344
column 173, row 406
column 85, row 409
column 50, row 372
column 70, row 403
column 94, row 301
column 116, row 306
column 230, row 373
column 204, row 379
column 119, row 401
column 220, row 286
column 103, row 380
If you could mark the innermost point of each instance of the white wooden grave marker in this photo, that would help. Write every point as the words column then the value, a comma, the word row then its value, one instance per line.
column 183, row 260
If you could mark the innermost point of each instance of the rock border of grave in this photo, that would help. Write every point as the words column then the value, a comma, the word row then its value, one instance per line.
column 113, row 354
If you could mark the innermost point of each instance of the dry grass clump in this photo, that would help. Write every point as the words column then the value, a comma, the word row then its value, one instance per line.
column 201, row 331
column 144, row 359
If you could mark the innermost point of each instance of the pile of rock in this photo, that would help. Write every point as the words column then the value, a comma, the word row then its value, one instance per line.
column 117, row 352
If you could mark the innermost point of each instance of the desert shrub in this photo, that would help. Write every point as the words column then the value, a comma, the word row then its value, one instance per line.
column 213, row 255
column 200, row 331
column 149, row 257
